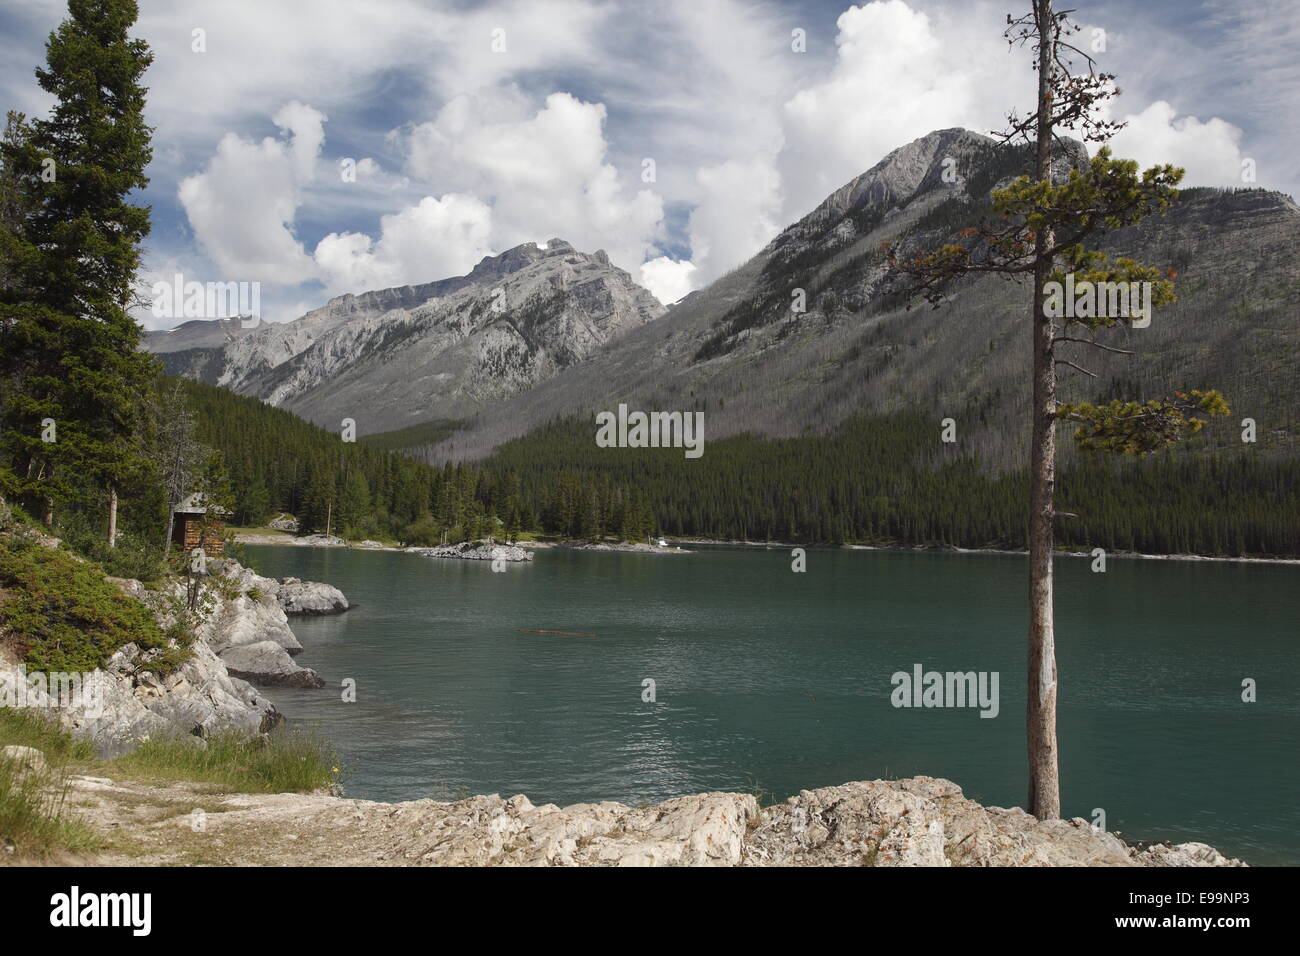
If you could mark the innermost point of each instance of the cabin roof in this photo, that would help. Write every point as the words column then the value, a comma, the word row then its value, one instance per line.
column 197, row 504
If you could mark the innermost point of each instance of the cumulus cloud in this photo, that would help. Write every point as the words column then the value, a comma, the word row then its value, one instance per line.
column 1209, row 151
column 668, row 279
column 545, row 174
column 242, row 206
column 431, row 240
column 897, row 76
column 738, row 215
column 747, row 135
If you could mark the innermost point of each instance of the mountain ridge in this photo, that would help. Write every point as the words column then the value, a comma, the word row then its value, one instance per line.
column 738, row 350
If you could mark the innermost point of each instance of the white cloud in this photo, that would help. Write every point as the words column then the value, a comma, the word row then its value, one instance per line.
column 898, row 75
column 545, row 174
column 667, row 279
column 1209, row 151
column 242, row 206
column 738, row 215
column 746, row 134
column 432, row 240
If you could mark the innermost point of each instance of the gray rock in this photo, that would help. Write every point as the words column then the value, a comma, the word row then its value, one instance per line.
column 924, row 821
column 268, row 664
column 320, row 541
column 1182, row 854
column 915, row 822
column 252, row 616
column 27, row 759
column 516, row 319
column 310, row 597
column 475, row 551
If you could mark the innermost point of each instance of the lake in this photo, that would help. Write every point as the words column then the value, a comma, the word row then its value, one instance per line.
column 771, row 681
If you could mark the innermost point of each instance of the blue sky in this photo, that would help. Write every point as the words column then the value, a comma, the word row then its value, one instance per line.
column 475, row 127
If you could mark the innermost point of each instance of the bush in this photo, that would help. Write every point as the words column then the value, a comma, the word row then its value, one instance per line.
column 63, row 616
column 132, row 558
column 422, row 534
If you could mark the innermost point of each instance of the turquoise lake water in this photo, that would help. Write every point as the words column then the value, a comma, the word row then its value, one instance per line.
column 773, row 681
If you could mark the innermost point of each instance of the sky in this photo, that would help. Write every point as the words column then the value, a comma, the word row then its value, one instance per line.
column 321, row 147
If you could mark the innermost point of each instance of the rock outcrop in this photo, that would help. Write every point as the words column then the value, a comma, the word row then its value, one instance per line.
column 283, row 523
column 310, row 597
column 268, row 664
column 242, row 639
column 475, row 551
column 127, row 702
column 915, row 822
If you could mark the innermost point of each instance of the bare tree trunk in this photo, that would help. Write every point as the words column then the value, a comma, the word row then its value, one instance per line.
column 112, row 516
column 1044, row 771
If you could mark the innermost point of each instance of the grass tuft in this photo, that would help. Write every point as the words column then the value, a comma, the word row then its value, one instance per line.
column 34, row 821
column 272, row 763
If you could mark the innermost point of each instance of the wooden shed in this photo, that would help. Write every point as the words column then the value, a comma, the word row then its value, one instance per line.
column 188, row 520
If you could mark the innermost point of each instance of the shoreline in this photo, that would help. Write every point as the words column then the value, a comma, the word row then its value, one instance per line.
column 675, row 547
column 948, row 549
column 286, row 539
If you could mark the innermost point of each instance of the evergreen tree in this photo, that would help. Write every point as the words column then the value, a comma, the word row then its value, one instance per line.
column 70, row 349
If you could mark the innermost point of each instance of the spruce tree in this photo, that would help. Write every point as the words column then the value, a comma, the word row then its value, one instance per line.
column 70, row 347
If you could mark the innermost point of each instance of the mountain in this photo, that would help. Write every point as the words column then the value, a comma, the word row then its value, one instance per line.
column 737, row 350
column 397, row 357
column 577, row 336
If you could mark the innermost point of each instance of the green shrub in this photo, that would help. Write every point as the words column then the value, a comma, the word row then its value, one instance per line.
column 61, row 615
column 422, row 533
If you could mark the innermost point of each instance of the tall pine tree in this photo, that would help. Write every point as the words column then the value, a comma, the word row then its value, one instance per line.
column 72, row 374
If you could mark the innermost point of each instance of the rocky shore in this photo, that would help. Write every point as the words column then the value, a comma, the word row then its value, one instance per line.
column 475, row 551
column 921, row 821
column 242, row 640
column 470, row 550
column 632, row 547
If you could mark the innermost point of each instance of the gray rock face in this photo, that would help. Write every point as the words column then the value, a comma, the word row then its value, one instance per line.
column 310, row 597
column 769, row 371
column 268, row 664
column 252, row 616
column 516, row 319
column 127, row 702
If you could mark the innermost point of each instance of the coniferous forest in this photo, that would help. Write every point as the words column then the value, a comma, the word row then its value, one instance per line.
column 874, row 481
